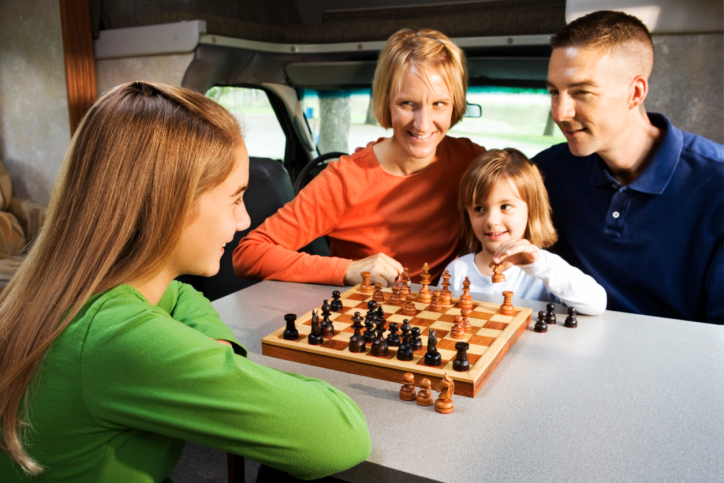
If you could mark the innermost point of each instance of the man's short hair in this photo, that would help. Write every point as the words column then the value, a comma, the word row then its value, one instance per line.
column 614, row 31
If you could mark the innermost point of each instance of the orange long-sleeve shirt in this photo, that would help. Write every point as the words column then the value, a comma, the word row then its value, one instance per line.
column 363, row 210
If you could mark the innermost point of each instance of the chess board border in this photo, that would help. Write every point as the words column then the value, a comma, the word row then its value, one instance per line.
column 466, row 384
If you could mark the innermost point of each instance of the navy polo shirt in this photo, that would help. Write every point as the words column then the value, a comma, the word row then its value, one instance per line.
column 655, row 245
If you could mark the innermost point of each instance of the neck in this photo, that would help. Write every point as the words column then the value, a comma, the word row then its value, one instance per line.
column 154, row 287
column 395, row 160
column 634, row 149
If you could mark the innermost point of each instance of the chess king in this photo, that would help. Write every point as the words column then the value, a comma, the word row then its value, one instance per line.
column 628, row 187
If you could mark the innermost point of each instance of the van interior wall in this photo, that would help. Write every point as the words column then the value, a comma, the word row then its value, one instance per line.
column 687, row 83
column 168, row 69
column 34, row 126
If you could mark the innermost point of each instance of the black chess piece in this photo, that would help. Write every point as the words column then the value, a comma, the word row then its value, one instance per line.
column 393, row 340
column 315, row 337
column 416, row 341
column 432, row 357
column 325, row 308
column 371, row 305
column 541, row 325
column 379, row 346
column 551, row 314
column 461, row 363
column 405, row 327
column 291, row 332
column 357, row 342
column 336, row 304
column 327, row 327
column 380, row 312
column 571, row 319
column 369, row 334
column 404, row 352
column 380, row 325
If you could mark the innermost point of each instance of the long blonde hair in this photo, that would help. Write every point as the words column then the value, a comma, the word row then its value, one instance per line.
column 130, row 180
column 507, row 164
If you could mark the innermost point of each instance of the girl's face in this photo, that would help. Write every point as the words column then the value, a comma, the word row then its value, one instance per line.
column 421, row 112
column 503, row 216
column 221, row 213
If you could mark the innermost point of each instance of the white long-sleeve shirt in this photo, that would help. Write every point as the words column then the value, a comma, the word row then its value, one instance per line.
column 550, row 279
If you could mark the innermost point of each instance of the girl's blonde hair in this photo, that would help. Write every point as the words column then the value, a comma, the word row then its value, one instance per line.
column 406, row 48
column 507, row 164
column 135, row 168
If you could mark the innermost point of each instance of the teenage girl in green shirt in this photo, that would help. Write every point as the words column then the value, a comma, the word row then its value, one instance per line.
column 106, row 364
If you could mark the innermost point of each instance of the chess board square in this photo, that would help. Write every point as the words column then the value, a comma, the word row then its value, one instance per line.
column 478, row 350
column 476, row 322
column 361, row 306
column 481, row 340
column 346, row 318
column 481, row 315
column 502, row 318
column 446, row 318
column 439, row 333
column 343, row 335
column 348, row 302
column 487, row 332
column 442, row 325
column 396, row 318
column 389, row 309
column 358, row 296
column 336, row 344
column 495, row 325
column 421, row 322
column 349, row 330
column 426, row 314
column 449, row 344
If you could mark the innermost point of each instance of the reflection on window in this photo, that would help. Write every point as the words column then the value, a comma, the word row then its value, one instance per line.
column 342, row 120
column 263, row 135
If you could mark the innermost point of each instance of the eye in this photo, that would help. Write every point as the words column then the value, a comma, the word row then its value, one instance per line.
column 439, row 104
column 506, row 207
column 553, row 92
column 478, row 209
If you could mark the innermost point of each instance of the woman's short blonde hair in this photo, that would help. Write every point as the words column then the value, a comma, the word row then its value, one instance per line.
column 511, row 165
column 424, row 49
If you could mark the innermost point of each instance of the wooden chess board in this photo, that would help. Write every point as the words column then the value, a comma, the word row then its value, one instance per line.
column 492, row 335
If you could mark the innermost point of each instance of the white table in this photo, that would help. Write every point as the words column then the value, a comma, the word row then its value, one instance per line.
column 620, row 398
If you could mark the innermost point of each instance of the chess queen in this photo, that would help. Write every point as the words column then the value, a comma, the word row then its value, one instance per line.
column 108, row 364
column 507, row 223
column 375, row 205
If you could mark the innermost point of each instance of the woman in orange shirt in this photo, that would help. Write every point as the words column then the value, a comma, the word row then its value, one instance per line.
column 392, row 204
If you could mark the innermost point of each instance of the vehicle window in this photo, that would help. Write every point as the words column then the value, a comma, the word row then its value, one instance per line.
column 263, row 135
column 342, row 120
column 512, row 118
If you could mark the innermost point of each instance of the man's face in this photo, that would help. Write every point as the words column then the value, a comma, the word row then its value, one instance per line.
column 590, row 97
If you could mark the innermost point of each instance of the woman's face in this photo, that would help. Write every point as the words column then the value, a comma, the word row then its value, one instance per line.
column 421, row 112
column 220, row 214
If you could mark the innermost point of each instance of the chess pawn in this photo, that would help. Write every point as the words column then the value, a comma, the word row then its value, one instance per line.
column 393, row 340
column 424, row 395
column 407, row 391
column 365, row 287
column 404, row 292
column 571, row 319
column 466, row 325
column 541, row 325
column 395, row 297
column 435, row 306
column 336, row 305
column 446, row 388
column 551, row 314
column 458, row 332
column 378, row 296
column 416, row 341
column 409, row 309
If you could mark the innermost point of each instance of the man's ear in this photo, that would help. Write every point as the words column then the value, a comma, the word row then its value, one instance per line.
column 639, row 89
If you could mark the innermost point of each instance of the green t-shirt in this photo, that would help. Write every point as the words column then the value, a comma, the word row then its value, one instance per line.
column 127, row 382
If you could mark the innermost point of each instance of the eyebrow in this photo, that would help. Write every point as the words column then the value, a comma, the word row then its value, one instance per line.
column 575, row 84
column 240, row 190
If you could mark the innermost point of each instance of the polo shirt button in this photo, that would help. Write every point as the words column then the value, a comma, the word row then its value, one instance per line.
column 614, row 186
column 616, row 214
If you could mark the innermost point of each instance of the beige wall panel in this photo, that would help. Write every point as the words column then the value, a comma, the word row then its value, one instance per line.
column 168, row 69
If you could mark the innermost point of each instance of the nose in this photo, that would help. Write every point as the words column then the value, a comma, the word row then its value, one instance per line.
column 423, row 119
column 562, row 108
column 492, row 218
column 243, row 221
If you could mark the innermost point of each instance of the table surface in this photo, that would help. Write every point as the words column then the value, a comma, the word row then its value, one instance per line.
column 622, row 397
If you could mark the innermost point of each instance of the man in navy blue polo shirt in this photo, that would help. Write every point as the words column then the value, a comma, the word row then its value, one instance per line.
column 638, row 204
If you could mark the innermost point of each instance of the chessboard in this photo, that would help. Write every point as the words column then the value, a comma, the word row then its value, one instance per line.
column 490, row 336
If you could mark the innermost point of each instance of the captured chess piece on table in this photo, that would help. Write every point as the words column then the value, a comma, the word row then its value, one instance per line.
column 424, row 395
column 446, row 388
column 407, row 391
column 571, row 319
column 541, row 325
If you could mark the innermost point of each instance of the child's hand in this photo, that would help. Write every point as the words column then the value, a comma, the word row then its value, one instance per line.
column 517, row 252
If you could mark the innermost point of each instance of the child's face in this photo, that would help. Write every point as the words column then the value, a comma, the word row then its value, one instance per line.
column 503, row 216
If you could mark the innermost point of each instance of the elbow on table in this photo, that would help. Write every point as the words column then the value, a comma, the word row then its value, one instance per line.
column 324, row 459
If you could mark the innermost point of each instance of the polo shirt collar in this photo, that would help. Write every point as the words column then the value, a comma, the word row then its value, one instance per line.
column 656, row 176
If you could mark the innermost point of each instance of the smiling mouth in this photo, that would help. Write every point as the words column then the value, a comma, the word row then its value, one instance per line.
column 420, row 136
column 495, row 234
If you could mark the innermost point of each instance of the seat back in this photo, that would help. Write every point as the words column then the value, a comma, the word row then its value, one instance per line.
column 270, row 188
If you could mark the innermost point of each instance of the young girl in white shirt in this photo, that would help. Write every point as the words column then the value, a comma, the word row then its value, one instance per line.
column 506, row 220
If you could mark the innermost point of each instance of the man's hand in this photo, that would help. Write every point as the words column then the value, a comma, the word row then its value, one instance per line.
column 517, row 252
column 384, row 269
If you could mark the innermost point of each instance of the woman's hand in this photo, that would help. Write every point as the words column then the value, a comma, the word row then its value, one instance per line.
column 384, row 269
column 517, row 252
